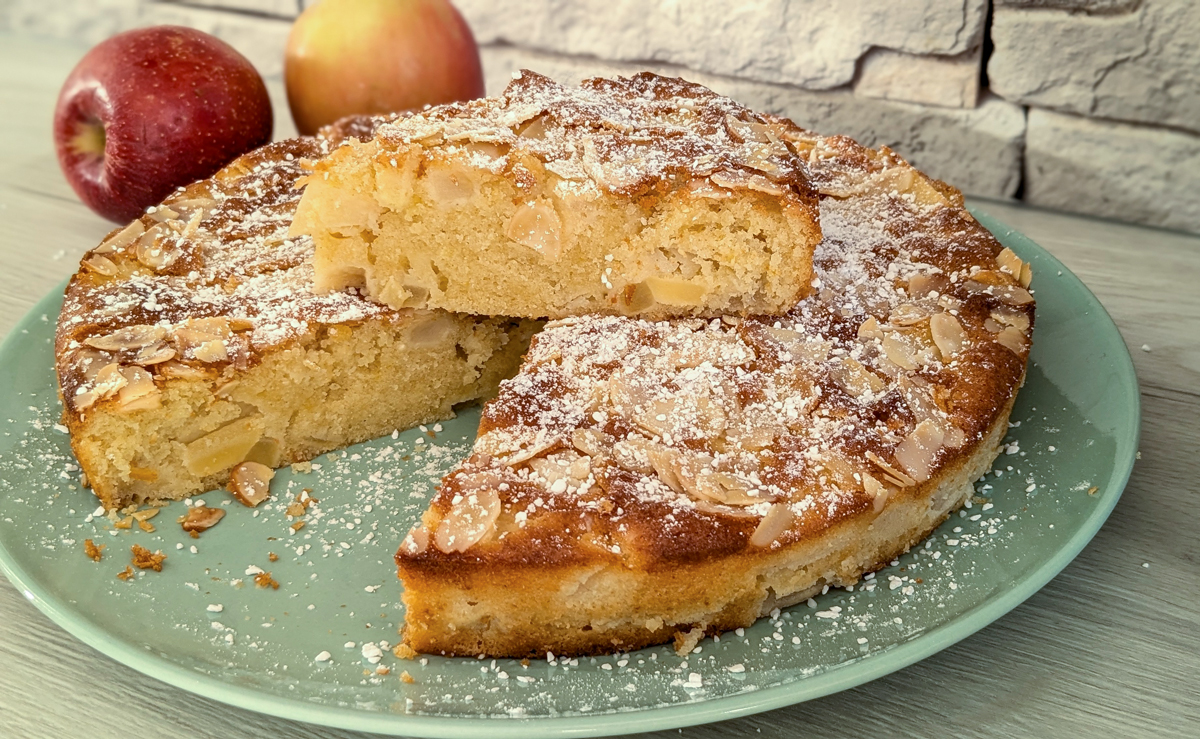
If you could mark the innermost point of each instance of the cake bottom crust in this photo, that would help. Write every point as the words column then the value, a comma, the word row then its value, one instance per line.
column 597, row 609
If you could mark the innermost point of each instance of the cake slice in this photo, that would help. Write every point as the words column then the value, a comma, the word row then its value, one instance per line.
column 639, row 481
column 191, row 341
column 646, row 196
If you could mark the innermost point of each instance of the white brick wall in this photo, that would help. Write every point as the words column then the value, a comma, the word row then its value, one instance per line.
column 1142, row 65
column 1124, row 74
column 814, row 44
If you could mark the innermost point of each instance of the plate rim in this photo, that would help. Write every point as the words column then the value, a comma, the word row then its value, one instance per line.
column 720, row 708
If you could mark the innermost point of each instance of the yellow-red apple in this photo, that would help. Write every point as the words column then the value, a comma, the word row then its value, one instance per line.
column 347, row 57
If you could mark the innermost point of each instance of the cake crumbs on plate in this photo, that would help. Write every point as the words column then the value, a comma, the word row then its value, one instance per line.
column 264, row 580
column 92, row 550
column 144, row 559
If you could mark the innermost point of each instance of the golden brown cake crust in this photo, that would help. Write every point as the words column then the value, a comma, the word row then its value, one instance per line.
column 640, row 136
column 642, row 448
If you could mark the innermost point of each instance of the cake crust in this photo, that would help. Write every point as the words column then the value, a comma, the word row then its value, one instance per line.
column 646, row 196
column 649, row 479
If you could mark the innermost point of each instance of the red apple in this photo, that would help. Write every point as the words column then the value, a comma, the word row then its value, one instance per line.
column 347, row 57
column 152, row 109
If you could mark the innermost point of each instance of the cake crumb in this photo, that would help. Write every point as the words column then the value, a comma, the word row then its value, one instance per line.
column 403, row 651
column 407, row 678
column 272, row 556
column 92, row 550
column 126, row 574
column 264, row 580
column 143, row 559
column 686, row 641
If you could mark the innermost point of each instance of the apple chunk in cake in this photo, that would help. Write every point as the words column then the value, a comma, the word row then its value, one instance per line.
column 646, row 196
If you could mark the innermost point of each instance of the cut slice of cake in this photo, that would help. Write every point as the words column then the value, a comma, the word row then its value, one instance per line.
column 646, row 196
column 191, row 341
column 641, row 481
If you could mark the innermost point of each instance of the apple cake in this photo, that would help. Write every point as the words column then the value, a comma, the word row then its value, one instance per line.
column 191, row 341
column 646, row 196
column 640, row 481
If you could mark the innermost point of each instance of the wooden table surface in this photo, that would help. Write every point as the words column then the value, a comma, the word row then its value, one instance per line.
column 1108, row 648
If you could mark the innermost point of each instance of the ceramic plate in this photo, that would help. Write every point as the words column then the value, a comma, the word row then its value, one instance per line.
column 203, row 625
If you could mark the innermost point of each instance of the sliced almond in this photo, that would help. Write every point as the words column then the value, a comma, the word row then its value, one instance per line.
column 152, row 250
column 1012, row 317
column 592, row 442
column 901, row 479
column 250, row 483
column 857, row 379
column 1013, row 339
column 877, row 490
column 918, row 450
column 121, row 239
column 468, row 521
column 948, row 334
column 101, row 265
column 743, row 131
column 536, row 225
column 1009, row 262
column 772, row 525
column 211, row 351
column 139, row 393
column 870, row 329
column 109, row 380
column 128, row 338
column 201, row 518
column 417, row 540
column 908, row 314
column 898, row 352
column 156, row 353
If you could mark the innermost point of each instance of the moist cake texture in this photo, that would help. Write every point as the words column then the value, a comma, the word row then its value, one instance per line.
column 191, row 341
column 640, row 481
column 646, row 196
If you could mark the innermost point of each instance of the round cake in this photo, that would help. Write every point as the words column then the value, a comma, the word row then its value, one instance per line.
column 642, row 481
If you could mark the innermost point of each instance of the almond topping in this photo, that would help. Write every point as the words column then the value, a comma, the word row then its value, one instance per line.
column 128, row 338
column 200, row 518
column 898, row 477
column 121, row 238
column 948, row 334
column 1009, row 262
column 877, row 491
column 1012, row 339
column 468, row 521
column 772, row 525
column 918, row 450
column 139, row 392
column 250, row 483
column 417, row 540
column 101, row 265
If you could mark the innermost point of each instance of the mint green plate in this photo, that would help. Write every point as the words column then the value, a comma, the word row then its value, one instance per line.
column 1075, row 428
